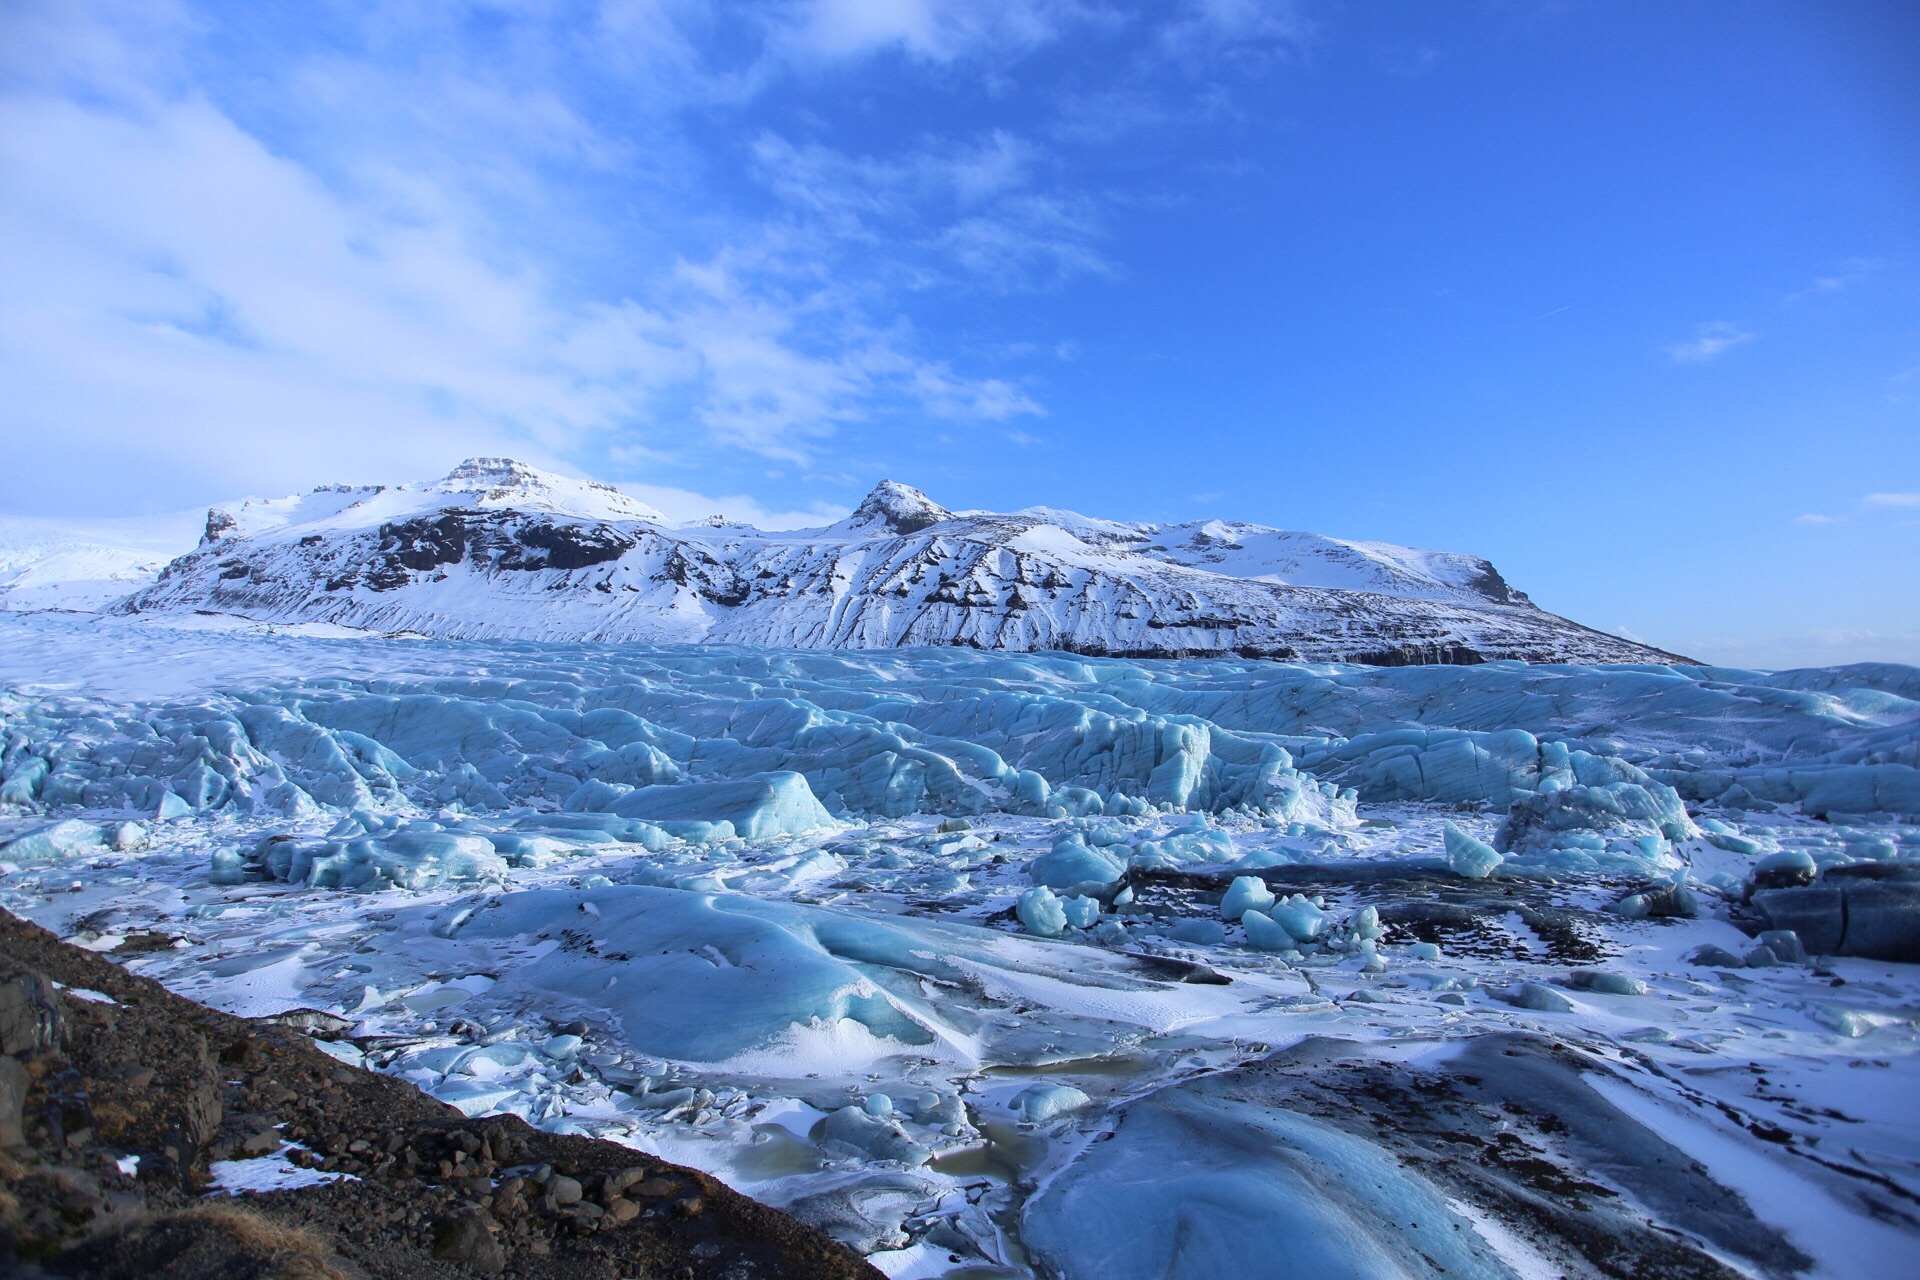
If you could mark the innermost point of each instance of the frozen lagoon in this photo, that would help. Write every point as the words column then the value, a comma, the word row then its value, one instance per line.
column 930, row 948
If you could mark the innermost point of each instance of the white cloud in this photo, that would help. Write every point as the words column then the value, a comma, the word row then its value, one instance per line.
column 1251, row 32
column 1709, row 342
column 968, row 213
column 1851, row 272
column 1901, row 500
column 362, row 241
column 929, row 30
column 1812, row 518
column 186, row 300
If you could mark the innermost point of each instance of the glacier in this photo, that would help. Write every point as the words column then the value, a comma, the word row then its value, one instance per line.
column 1044, row 963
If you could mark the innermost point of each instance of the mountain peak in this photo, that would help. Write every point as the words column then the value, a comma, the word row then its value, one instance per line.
column 510, row 482
column 897, row 507
column 478, row 474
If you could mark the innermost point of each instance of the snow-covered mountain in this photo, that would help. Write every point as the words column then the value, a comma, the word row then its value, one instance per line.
column 501, row 550
column 84, row 565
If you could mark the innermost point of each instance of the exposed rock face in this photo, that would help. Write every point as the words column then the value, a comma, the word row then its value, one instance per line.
column 897, row 508
column 499, row 550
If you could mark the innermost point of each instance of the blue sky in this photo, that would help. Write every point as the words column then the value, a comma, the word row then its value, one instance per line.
column 1624, row 296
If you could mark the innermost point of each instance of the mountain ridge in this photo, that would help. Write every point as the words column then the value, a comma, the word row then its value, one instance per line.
column 500, row 550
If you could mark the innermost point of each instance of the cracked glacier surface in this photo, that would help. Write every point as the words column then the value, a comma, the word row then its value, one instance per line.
column 1034, row 964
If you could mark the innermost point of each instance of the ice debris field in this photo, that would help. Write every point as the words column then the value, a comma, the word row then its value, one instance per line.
column 1030, row 964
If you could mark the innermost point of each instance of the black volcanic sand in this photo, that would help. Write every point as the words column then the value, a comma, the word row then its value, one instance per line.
column 85, row 1084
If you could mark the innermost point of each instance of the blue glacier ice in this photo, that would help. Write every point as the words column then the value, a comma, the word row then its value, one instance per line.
column 851, row 928
column 960, row 732
column 1299, row 917
column 68, row 838
column 1039, row 1103
column 1246, row 893
column 1042, row 913
column 1264, row 934
column 769, row 976
column 1071, row 864
column 1474, row 859
column 1196, row 1185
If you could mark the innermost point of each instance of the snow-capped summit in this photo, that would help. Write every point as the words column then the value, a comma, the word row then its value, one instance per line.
column 479, row 484
column 497, row 548
column 895, row 508
column 504, row 482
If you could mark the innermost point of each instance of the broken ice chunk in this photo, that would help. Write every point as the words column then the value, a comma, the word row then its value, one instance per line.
column 1366, row 925
column 1199, row 932
column 882, row 1139
column 1299, row 917
column 1715, row 957
column 55, row 841
column 1474, row 859
column 562, row 1047
column 1538, row 997
column 1786, row 870
column 767, row 804
column 1613, row 984
column 417, row 856
column 1041, row 913
column 1263, row 934
column 228, row 867
column 1040, row 1103
column 1082, row 911
column 1662, row 899
column 1866, row 909
column 1072, row 865
column 1246, row 893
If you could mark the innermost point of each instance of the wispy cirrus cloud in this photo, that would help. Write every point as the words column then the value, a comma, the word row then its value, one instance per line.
column 1710, row 341
column 1852, row 272
column 937, row 31
column 972, row 213
column 1869, row 505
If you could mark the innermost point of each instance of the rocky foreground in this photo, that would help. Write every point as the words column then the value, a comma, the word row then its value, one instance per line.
column 118, row 1101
